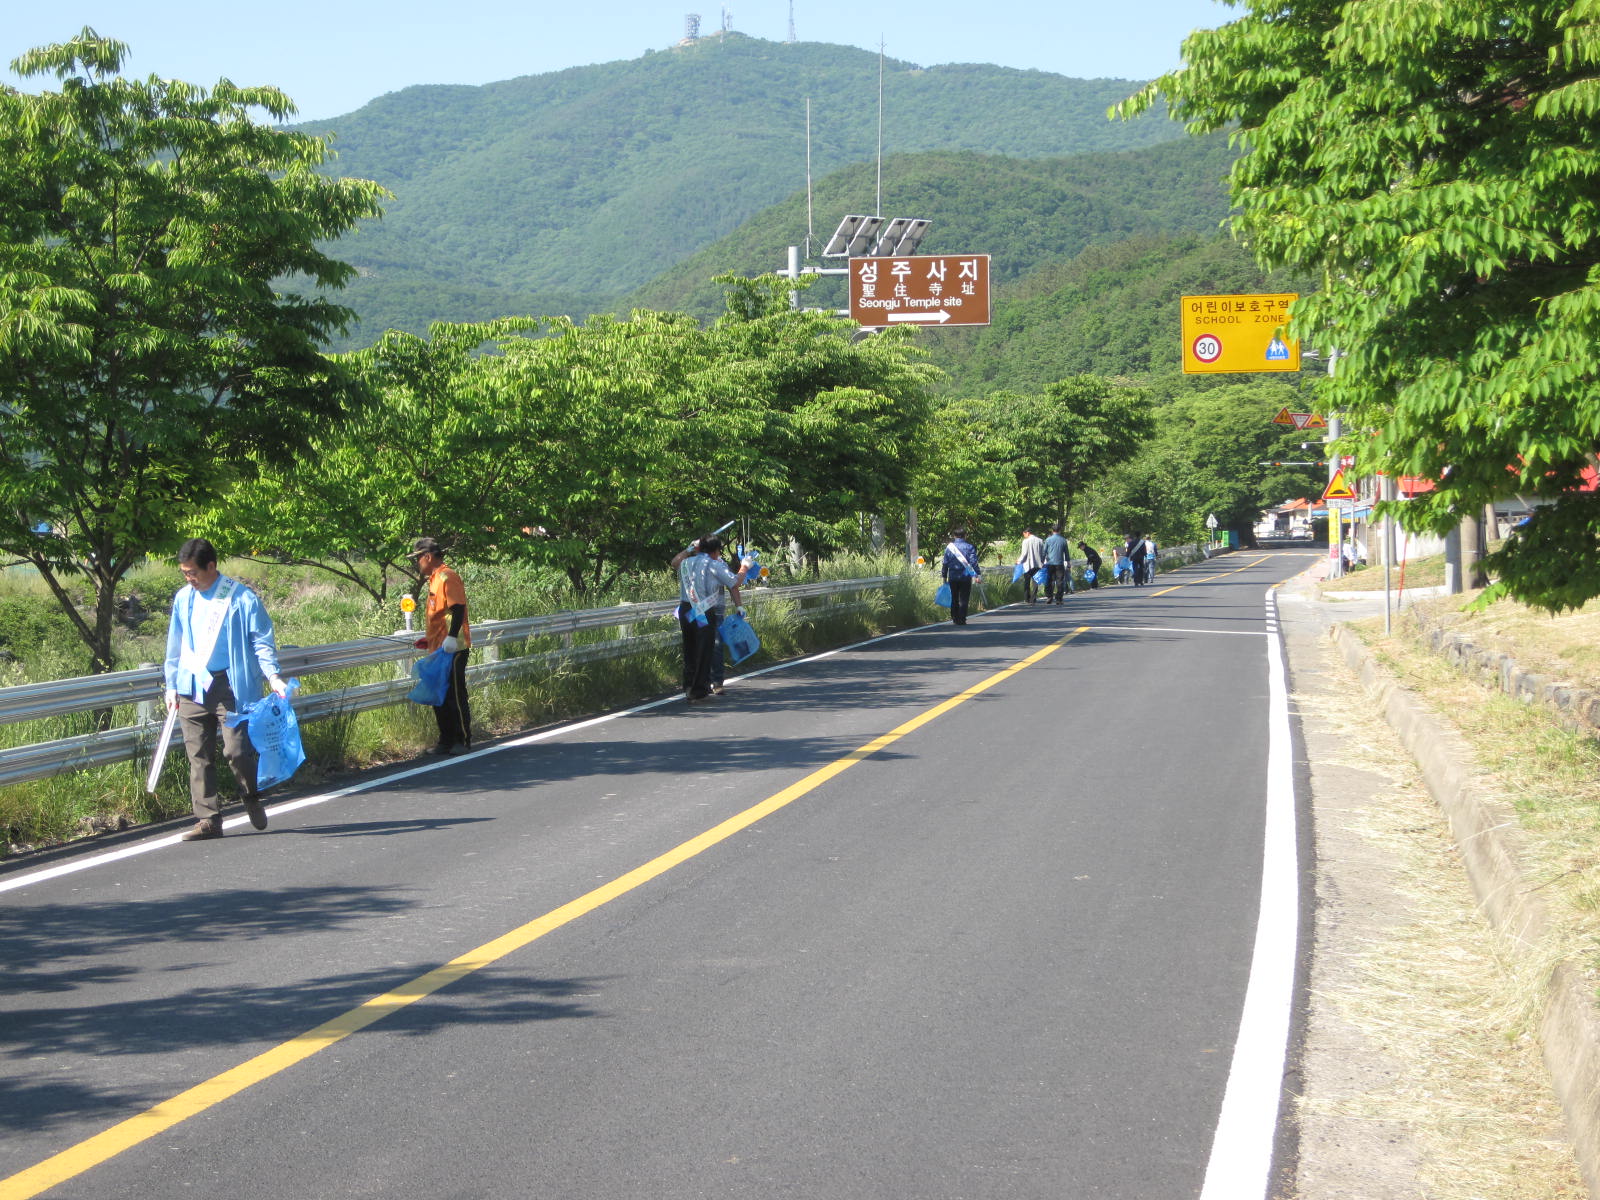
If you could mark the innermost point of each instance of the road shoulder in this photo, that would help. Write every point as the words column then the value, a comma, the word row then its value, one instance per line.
column 1411, row 1076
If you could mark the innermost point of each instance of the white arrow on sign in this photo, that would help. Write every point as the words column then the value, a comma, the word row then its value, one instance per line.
column 938, row 318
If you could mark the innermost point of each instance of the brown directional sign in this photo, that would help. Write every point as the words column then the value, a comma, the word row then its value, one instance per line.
column 921, row 289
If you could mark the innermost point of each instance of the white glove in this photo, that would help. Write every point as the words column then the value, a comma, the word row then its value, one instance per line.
column 172, row 698
column 450, row 644
column 739, row 609
column 279, row 688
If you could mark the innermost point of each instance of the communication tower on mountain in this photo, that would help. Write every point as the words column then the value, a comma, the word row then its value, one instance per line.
column 792, row 38
column 691, row 27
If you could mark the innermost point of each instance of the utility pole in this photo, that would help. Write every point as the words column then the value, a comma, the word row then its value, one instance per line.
column 1472, row 575
column 1387, row 490
column 1335, row 536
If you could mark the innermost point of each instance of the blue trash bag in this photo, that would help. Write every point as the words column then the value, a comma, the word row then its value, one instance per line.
column 275, row 733
column 738, row 638
column 1088, row 574
column 1042, row 576
column 432, row 673
column 942, row 596
column 1018, row 572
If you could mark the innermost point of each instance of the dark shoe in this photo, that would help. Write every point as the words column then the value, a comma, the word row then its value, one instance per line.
column 442, row 750
column 717, row 689
column 211, row 827
column 257, row 814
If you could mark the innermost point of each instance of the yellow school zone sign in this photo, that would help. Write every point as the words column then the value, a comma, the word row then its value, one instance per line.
column 1238, row 333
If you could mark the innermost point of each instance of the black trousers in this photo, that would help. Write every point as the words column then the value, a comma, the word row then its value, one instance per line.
column 699, row 646
column 1060, row 581
column 454, row 716
column 960, row 597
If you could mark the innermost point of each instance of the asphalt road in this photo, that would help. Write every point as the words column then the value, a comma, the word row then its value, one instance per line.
column 852, row 930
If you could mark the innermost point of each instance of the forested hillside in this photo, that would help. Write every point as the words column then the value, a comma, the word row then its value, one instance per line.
column 1026, row 214
column 560, row 192
column 1112, row 310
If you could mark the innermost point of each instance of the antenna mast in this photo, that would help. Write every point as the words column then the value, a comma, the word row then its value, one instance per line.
column 879, row 210
column 791, row 21
column 808, row 167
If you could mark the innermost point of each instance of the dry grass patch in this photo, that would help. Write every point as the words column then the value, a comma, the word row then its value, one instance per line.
column 1564, row 647
column 1449, row 1003
column 1550, row 776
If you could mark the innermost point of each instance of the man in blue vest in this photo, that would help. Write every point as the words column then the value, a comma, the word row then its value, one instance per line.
column 1055, row 561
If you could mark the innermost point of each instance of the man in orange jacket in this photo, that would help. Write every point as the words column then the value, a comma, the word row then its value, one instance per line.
column 446, row 628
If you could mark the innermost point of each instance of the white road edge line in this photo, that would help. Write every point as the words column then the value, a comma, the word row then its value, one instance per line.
column 111, row 856
column 1241, row 1151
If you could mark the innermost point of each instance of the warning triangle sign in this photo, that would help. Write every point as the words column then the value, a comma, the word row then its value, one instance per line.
column 1337, row 488
column 1284, row 417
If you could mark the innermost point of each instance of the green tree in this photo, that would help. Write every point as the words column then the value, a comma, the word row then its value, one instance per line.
column 436, row 453
column 1214, row 450
column 815, row 422
column 145, row 357
column 1070, row 437
column 1437, row 164
column 596, row 449
column 610, row 417
column 968, row 475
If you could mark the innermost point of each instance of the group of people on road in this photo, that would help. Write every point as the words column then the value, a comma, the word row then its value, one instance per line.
column 1045, row 567
column 1136, row 560
column 222, row 656
column 1052, row 556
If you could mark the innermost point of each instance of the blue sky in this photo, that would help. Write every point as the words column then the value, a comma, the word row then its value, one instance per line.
column 333, row 57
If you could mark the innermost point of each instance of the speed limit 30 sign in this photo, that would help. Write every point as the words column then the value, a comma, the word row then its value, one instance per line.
column 1207, row 348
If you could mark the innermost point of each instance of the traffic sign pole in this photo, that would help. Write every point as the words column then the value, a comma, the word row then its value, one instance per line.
column 1335, row 427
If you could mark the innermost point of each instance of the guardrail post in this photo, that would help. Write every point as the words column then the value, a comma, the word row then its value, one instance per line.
column 144, row 712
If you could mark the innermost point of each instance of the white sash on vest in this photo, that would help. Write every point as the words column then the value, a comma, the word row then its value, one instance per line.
column 962, row 559
column 195, row 656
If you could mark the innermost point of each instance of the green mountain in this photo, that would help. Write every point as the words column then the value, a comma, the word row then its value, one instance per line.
column 560, row 192
column 1026, row 214
column 1089, row 256
column 1111, row 310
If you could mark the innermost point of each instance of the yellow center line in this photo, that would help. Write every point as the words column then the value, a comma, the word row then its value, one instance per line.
column 1209, row 578
column 75, row 1160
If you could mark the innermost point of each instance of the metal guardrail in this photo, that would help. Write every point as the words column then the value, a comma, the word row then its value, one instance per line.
column 37, row 701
